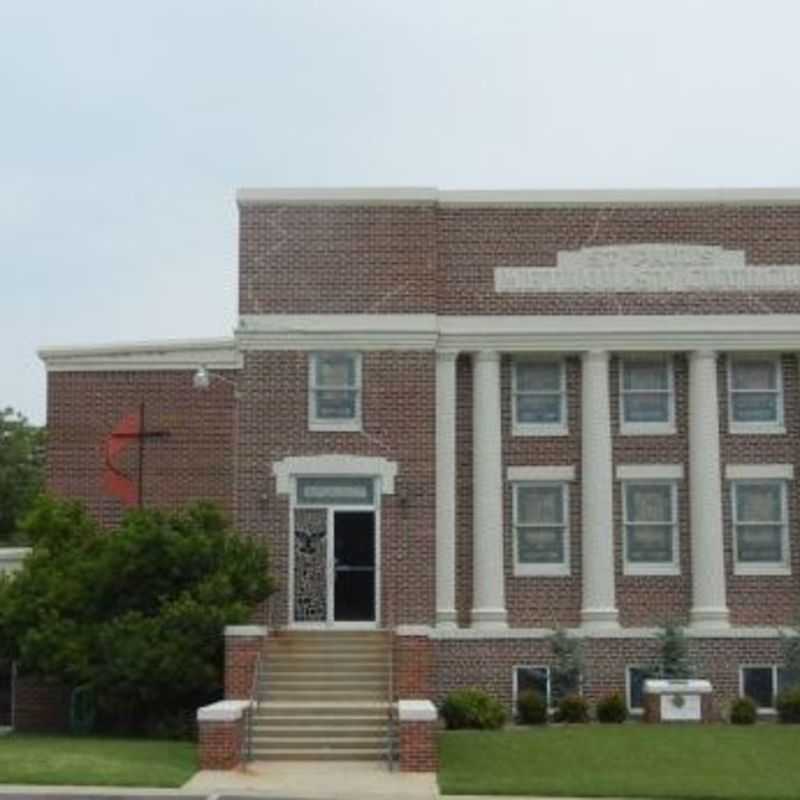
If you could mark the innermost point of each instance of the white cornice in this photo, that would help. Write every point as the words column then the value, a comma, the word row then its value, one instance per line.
column 144, row 356
column 337, row 332
column 521, row 333
column 379, row 196
column 628, row 333
column 515, row 198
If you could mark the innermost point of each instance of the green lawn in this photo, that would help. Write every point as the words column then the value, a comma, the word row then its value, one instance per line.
column 89, row 761
column 713, row 761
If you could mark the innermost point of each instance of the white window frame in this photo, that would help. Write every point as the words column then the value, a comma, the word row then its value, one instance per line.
column 523, row 569
column 316, row 423
column 647, row 428
column 773, row 427
column 662, row 475
column 782, row 567
column 539, row 428
column 633, row 710
column 766, row 710
column 515, row 687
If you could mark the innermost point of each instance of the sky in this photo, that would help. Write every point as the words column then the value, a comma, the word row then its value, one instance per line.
column 126, row 128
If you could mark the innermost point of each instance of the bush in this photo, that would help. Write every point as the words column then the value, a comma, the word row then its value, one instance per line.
column 472, row 708
column 612, row 708
column 572, row 708
column 531, row 708
column 788, row 706
column 134, row 615
column 743, row 712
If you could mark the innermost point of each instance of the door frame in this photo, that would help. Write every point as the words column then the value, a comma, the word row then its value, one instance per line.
column 330, row 576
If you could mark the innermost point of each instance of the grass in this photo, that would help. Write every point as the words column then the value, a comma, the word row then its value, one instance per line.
column 89, row 761
column 701, row 762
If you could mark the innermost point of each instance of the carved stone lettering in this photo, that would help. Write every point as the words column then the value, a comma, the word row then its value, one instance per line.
column 649, row 268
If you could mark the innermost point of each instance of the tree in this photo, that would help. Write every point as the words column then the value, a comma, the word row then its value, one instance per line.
column 136, row 614
column 21, row 470
column 567, row 668
column 674, row 661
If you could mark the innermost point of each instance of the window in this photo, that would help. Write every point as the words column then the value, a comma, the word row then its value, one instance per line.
column 541, row 528
column 634, row 683
column 761, row 526
column 763, row 684
column 650, row 524
column 539, row 397
column 335, row 391
column 755, row 394
column 647, row 396
column 535, row 678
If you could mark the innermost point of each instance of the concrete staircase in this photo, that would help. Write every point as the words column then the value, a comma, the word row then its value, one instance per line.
column 323, row 695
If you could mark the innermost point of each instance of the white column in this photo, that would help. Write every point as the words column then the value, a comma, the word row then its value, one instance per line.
column 446, row 490
column 489, row 607
column 709, row 608
column 599, row 602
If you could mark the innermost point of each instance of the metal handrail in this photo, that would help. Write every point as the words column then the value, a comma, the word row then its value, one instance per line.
column 390, row 727
column 247, row 745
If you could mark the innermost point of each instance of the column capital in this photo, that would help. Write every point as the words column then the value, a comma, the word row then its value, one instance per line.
column 446, row 356
column 705, row 354
column 595, row 355
column 490, row 356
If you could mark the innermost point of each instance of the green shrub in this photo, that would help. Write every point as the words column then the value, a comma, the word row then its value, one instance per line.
column 572, row 708
column 612, row 708
column 532, row 708
column 788, row 706
column 743, row 712
column 472, row 708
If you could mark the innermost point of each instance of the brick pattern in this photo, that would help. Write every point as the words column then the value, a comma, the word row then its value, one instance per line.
column 241, row 654
column 40, row 707
column 220, row 744
column 365, row 260
column 489, row 663
column 419, row 746
column 398, row 411
column 195, row 462
column 413, row 667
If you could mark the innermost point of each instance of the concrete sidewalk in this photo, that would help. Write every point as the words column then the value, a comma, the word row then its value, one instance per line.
column 331, row 780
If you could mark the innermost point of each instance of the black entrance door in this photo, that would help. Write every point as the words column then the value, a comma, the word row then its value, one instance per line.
column 354, row 566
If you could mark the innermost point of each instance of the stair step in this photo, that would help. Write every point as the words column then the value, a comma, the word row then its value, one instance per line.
column 279, row 720
column 332, row 731
column 322, row 696
column 319, row 743
column 342, row 684
column 360, row 708
column 327, row 754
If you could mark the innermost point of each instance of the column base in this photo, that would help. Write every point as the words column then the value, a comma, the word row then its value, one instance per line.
column 600, row 619
column 446, row 619
column 489, row 618
column 704, row 619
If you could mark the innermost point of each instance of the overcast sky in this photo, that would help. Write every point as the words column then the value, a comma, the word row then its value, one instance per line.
column 125, row 129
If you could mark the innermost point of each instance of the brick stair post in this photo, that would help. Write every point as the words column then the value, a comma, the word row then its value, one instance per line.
column 243, row 643
column 419, row 736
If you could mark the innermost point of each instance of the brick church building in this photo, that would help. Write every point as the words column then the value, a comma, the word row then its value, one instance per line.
column 470, row 418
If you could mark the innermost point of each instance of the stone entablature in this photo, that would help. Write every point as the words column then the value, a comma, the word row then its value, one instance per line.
column 646, row 268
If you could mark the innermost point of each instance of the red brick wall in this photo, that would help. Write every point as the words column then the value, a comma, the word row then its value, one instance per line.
column 220, row 744
column 241, row 654
column 195, row 462
column 398, row 411
column 471, row 242
column 488, row 663
column 337, row 259
column 419, row 751
column 413, row 667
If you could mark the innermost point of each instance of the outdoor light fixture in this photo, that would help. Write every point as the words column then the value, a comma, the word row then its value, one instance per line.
column 203, row 377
